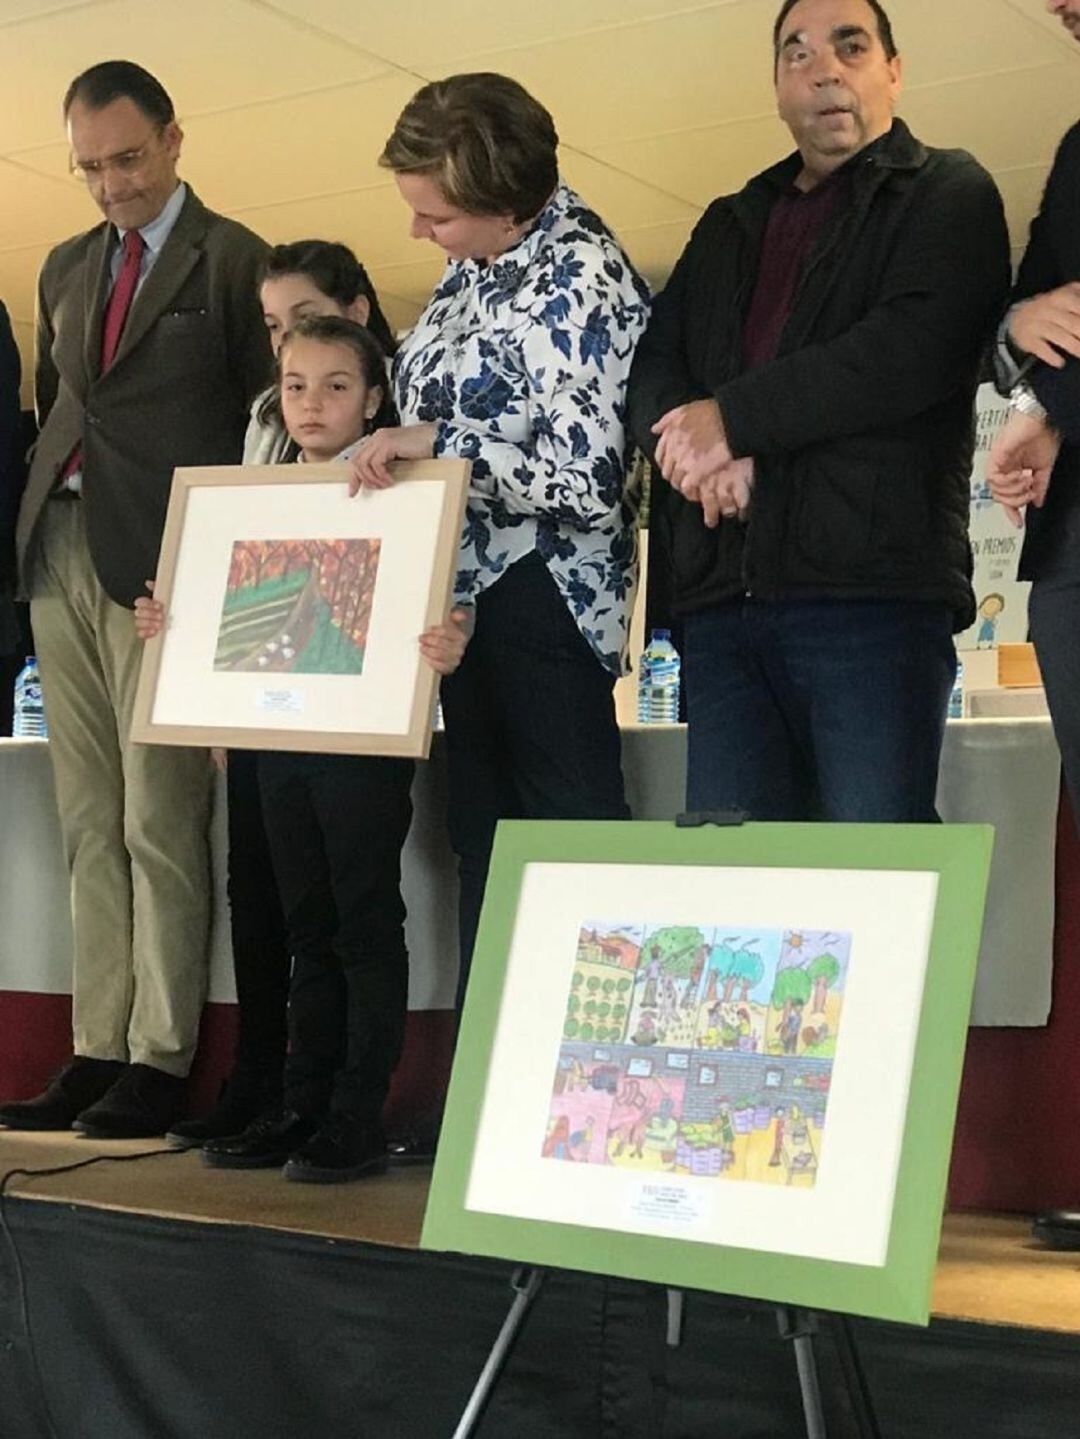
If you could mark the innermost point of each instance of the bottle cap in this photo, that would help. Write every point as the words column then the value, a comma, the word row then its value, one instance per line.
column 661, row 634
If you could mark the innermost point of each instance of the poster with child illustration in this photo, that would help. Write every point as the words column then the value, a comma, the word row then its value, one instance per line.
column 1001, row 599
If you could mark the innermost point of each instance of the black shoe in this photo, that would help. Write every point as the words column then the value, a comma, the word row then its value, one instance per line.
column 142, row 1104
column 265, row 1144
column 342, row 1148
column 1059, row 1228
column 240, row 1104
column 81, row 1082
column 415, row 1145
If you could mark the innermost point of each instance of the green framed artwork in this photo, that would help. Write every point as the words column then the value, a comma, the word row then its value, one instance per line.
column 716, row 1058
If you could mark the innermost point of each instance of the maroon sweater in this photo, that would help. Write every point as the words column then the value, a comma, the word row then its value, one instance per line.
column 795, row 222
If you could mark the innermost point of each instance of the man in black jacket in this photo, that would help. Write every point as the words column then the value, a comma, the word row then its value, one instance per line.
column 12, row 474
column 805, row 387
column 1035, row 463
column 1035, row 460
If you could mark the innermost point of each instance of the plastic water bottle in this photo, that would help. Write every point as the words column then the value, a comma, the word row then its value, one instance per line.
column 658, row 681
column 29, row 717
column 956, row 697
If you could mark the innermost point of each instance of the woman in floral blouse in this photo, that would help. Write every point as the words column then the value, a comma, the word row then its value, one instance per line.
column 519, row 364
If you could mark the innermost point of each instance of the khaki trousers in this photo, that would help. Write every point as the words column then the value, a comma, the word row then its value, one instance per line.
column 134, row 819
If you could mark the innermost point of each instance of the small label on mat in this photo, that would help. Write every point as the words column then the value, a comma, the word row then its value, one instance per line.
column 280, row 701
column 668, row 1202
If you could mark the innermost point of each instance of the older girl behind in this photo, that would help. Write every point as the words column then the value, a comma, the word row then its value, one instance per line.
column 301, row 279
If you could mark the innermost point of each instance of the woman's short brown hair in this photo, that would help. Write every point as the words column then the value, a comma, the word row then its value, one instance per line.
column 487, row 144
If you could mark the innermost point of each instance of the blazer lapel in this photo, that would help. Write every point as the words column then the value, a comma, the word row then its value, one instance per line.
column 178, row 258
column 97, row 283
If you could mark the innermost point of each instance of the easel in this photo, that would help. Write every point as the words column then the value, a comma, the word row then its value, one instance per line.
column 797, row 1325
column 525, row 1282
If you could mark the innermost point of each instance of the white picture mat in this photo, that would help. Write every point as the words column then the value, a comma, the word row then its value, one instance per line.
column 846, row 1216
column 404, row 517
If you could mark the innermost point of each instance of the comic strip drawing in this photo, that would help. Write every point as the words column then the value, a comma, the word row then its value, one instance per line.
column 695, row 1050
column 301, row 606
column 989, row 616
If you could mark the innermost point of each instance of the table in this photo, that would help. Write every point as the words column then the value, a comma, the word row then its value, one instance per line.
column 35, row 929
column 1018, row 1128
column 1001, row 771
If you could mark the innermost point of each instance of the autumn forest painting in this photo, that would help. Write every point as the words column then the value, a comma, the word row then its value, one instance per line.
column 298, row 606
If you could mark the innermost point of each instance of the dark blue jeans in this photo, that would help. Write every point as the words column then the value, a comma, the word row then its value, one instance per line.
column 818, row 709
column 530, row 729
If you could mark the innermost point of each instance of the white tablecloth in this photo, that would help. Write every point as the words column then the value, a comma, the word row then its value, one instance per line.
column 1004, row 772
column 1007, row 772
column 35, row 924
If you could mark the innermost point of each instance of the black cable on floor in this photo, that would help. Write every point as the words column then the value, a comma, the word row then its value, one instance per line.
column 20, row 1274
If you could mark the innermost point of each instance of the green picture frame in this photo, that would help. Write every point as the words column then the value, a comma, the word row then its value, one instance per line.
column 952, row 862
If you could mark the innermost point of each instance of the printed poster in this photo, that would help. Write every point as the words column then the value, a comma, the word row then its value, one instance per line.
column 1000, row 598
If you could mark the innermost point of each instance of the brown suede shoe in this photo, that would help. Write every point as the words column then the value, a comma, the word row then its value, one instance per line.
column 144, row 1102
column 80, row 1083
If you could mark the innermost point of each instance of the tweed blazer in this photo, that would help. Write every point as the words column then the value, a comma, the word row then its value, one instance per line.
column 193, row 353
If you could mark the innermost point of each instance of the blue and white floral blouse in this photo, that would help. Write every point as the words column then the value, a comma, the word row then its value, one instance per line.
column 522, row 364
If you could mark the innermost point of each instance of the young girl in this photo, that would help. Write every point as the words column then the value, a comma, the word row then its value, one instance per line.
column 336, row 825
column 301, row 279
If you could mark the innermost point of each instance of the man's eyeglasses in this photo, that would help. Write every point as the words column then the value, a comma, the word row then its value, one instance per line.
column 127, row 162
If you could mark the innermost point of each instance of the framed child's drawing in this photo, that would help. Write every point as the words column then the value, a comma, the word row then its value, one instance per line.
column 722, row 1059
column 293, row 611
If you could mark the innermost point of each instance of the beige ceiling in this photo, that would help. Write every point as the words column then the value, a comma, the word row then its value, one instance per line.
column 286, row 103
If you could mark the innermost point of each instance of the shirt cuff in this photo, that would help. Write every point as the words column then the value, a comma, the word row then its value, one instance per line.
column 1011, row 363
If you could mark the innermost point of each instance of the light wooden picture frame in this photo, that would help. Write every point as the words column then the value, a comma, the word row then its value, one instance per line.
column 293, row 611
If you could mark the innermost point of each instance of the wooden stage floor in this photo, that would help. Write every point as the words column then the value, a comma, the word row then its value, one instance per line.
column 989, row 1270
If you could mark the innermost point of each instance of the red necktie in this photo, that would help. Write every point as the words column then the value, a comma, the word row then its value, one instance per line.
column 116, row 312
column 123, row 292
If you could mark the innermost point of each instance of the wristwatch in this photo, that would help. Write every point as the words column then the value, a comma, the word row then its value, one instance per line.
column 1025, row 401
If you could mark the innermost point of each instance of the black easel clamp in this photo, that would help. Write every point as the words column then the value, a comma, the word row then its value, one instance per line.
column 725, row 818
column 796, row 1323
column 800, row 1326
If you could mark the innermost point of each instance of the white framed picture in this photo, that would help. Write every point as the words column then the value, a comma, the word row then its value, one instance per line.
column 293, row 610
